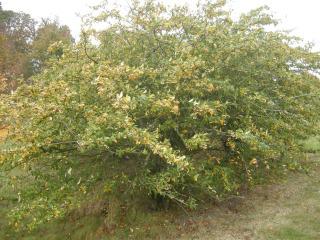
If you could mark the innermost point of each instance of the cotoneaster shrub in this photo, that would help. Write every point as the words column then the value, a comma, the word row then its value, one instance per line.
column 173, row 103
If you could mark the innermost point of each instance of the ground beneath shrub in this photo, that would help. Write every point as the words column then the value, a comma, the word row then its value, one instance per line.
column 286, row 211
column 289, row 210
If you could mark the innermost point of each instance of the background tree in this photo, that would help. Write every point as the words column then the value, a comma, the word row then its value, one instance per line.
column 47, row 33
column 17, row 31
column 24, row 45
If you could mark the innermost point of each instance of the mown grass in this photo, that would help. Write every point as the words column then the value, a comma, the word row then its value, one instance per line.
column 302, row 222
column 312, row 144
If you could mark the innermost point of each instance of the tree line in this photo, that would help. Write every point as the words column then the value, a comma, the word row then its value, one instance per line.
column 24, row 44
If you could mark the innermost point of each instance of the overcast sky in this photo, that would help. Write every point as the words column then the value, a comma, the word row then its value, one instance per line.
column 302, row 17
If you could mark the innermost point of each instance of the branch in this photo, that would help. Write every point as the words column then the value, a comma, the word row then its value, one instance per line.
column 305, row 95
column 86, row 50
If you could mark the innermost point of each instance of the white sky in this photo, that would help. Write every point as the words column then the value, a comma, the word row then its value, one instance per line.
column 302, row 17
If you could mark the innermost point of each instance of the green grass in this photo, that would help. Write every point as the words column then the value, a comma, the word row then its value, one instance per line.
column 287, row 233
column 312, row 144
column 303, row 222
column 301, row 227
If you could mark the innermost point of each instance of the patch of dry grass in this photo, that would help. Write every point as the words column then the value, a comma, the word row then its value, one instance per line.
column 286, row 211
column 3, row 133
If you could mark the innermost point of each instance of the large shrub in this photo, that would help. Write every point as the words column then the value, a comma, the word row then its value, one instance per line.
column 172, row 104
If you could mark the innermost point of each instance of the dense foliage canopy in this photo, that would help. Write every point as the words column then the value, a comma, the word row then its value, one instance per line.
column 172, row 103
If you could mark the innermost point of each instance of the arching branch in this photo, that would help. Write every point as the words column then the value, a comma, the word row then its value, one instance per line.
column 86, row 49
